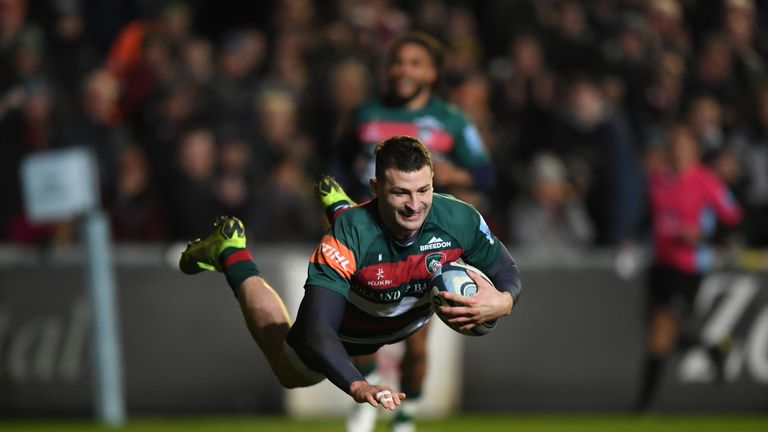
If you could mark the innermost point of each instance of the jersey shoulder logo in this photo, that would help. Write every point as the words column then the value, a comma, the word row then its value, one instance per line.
column 331, row 252
column 486, row 230
column 435, row 243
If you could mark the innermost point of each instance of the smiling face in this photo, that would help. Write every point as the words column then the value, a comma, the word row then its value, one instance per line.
column 411, row 74
column 404, row 200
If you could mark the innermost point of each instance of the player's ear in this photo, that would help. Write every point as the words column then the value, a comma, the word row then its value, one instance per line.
column 374, row 187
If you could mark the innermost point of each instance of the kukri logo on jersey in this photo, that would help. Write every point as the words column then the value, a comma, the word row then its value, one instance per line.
column 381, row 280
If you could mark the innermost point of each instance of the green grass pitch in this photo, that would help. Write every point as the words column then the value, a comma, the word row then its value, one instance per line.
column 463, row 423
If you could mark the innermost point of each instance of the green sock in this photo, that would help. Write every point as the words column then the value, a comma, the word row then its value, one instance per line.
column 238, row 266
column 405, row 412
column 337, row 208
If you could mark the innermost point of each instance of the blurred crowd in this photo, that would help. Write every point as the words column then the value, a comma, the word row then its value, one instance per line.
column 188, row 120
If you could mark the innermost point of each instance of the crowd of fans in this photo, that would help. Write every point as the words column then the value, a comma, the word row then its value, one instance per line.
column 572, row 99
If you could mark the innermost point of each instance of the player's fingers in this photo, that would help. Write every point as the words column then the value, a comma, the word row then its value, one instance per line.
column 386, row 399
column 480, row 281
column 456, row 311
column 390, row 399
column 388, row 403
column 398, row 397
column 473, row 275
column 372, row 400
column 461, row 320
column 451, row 296
column 458, row 298
column 467, row 327
column 447, row 311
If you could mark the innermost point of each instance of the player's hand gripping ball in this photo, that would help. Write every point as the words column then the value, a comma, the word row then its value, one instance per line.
column 454, row 278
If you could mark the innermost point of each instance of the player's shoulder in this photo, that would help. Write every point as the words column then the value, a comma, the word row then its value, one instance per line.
column 707, row 173
column 447, row 109
column 459, row 219
column 449, row 210
column 370, row 107
column 357, row 220
column 707, row 177
column 358, row 213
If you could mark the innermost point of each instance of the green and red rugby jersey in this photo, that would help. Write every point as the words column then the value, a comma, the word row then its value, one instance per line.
column 440, row 126
column 386, row 282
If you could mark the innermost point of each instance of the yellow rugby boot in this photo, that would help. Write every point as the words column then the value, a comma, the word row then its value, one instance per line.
column 331, row 196
column 201, row 255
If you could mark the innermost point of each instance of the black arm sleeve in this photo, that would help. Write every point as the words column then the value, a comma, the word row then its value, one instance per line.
column 505, row 275
column 313, row 336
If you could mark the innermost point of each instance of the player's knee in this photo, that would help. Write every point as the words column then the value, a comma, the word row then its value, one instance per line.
column 289, row 382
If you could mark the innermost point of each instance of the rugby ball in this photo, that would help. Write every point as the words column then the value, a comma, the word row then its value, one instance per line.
column 454, row 277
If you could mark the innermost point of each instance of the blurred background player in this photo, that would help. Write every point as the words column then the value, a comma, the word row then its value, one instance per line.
column 411, row 106
column 686, row 201
column 368, row 282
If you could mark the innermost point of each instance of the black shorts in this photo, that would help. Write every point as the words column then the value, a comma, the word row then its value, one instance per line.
column 356, row 349
column 672, row 288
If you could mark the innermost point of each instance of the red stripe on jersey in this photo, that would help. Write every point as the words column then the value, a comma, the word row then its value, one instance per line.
column 386, row 275
column 436, row 140
column 377, row 131
column 243, row 255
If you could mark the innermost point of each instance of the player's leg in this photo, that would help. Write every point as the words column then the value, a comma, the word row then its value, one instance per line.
column 263, row 309
column 268, row 321
column 662, row 332
column 332, row 197
column 413, row 370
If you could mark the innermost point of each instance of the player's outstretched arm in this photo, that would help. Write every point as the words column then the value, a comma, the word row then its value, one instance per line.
column 314, row 338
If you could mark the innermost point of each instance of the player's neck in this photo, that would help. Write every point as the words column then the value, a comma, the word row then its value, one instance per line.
column 404, row 237
column 419, row 101
column 684, row 166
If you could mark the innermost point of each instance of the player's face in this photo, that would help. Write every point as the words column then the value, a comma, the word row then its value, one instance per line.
column 411, row 73
column 404, row 199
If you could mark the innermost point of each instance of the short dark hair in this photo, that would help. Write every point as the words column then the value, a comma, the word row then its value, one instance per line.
column 431, row 43
column 403, row 153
